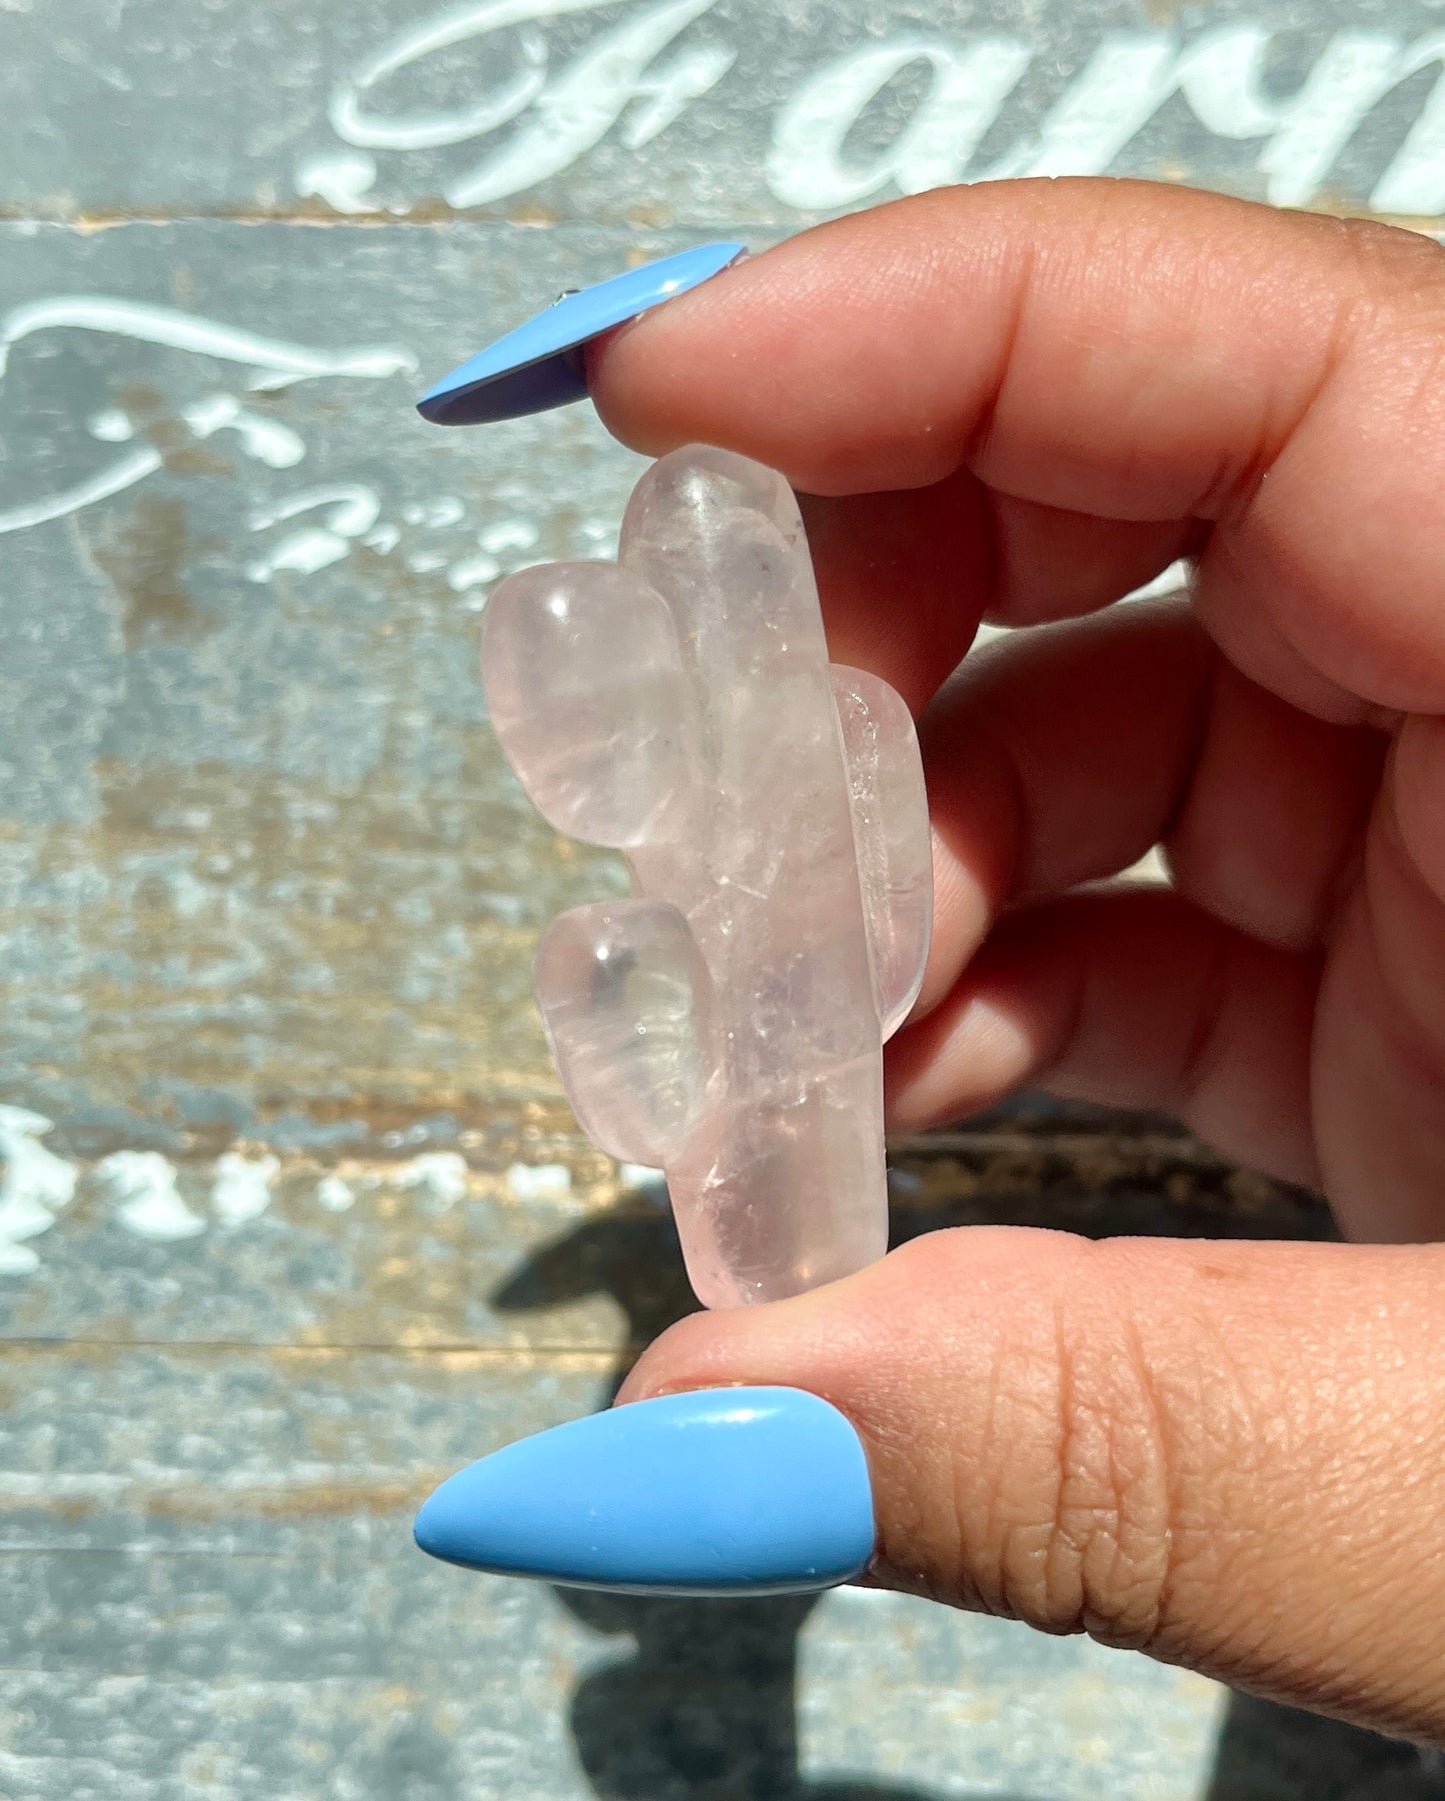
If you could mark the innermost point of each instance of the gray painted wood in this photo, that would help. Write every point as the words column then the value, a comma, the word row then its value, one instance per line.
column 293, row 1219
column 115, row 108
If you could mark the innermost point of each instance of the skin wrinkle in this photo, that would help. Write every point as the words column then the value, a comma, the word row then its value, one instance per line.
column 1229, row 499
column 1227, row 1556
column 1201, row 719
column 1311, row 1517
column 973, row 1589
column 1134, row 1573
column 1332, row 775
column 992, row 1517
column 908, row 1524
column 1018, row 857
column 1394, row 824
column 1109, row 1512
column 1031, row 571
column 1201, row 723
column 1208, row 1550
column 973, row 448
column 1064, row 1592
column 991, row 1541
column 1229, row 1421
column 1027, row 1514
column 1235, row 478
column 1158, row 1582
column 1341, row 882
column 908, row 1513
column 1241, row 511
column 1066, row 1034
column 1391, row 266
column 1200, row 1058
column 1346, row 361
column 1415, row 1039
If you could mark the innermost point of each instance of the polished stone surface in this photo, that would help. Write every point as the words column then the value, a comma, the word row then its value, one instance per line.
column 726, row 1024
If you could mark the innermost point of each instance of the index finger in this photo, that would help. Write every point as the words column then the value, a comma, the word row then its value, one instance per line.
column 1120, row 351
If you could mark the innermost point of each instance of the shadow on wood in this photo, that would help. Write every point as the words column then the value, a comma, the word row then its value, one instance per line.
column 1270, row 1753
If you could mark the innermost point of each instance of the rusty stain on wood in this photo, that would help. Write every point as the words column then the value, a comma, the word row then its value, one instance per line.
column 147, row 563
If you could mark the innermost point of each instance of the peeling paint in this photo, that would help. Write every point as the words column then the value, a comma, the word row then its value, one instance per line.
column 539, row 1181
column 241, row 1191
column 267, row 440
column 343, row 179
column 141, row 1187
column 35, row 1186
column 335, row 1195
column 441, row 1174
column 351, row 510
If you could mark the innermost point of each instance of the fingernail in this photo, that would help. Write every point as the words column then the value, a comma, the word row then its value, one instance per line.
column 733, row 1491
column 540, row 364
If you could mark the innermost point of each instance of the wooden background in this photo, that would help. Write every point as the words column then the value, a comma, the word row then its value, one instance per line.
column 293, row 1220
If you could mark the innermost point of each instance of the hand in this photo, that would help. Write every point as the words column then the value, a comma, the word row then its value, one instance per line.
column 1021, row 402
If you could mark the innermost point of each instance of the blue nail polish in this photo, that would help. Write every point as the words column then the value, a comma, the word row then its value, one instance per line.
column 539, row 365
column 730, row 1491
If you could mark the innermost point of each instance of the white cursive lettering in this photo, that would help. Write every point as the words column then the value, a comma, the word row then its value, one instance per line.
column 805, row 166
column 353, row 510
column 566, row 114
column 576, row 111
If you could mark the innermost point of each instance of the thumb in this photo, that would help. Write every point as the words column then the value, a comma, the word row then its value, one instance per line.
column 1229, row 1456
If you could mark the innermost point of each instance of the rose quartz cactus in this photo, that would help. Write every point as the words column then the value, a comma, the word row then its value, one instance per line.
column 727, row 1023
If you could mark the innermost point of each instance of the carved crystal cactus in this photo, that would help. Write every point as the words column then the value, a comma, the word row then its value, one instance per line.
column 727, row 1023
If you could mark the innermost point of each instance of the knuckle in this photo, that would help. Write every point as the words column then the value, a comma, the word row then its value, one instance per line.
column 1112, row 1533
column 1089, row 1548
column 1390, row 257
column 1395, row 299
column 1039, row 1479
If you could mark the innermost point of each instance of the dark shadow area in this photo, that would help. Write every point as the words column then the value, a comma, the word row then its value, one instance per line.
column 1270, row 1753
column 704, row 1708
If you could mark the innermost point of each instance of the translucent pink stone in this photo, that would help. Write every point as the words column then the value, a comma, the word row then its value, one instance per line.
column 727, row 1024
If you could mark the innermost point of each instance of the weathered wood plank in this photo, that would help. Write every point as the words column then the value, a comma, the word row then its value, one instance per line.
column 698, row 111
column 375, row 1685
column 259, row 855
column 495, row 1248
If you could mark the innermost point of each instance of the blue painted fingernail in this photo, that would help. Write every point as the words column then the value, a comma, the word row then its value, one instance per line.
column 731, row 1491
column 539, row 365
